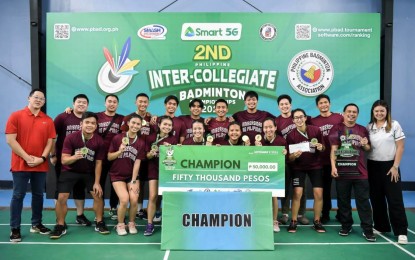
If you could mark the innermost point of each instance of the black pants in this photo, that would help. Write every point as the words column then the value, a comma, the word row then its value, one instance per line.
column 327, row 179
column 106, row 166
column 344, row 196
column 386, row 195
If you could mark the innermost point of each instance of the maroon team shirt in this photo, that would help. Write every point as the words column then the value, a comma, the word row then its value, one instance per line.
column 74, row 142
column 122, row 167
column 307, row 160
column 218, row 129
column 284, row 125
column 325, row 124
column 145, row 130
column 65, row 124
column 187, row 122
column 153, row 163
column 103, row 122
column 354, row 134
column 251, row 122
column 178, row 128
column 278, row 141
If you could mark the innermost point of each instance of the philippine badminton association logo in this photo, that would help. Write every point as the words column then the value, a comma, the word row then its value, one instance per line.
column 310, row 73
column 117, row 72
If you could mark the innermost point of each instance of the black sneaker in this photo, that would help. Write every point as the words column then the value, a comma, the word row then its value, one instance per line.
column 345, row 231
column 58, row 231
column 41, row 229
column 317, row 226
column 292, row 228
column 369, row 236
column 82, row 220
column 102, row 228
column 15, row 235
column 141, row 214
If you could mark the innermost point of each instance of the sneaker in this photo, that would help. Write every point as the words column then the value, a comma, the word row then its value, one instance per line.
column 141, row 214
column 15, row 235
column 82, row 220
column 292, row 228
column 102, row 228
column 325, row 219
column 345, row 231
column 132, row 228
column 149, row 230
column 113, row 213
column 276, row 227
column 284, row 219
column 157, row 217
column 317, row 226
column 58, row 231
column 369, row 236
column 41, row 229
column 402, row 239
column 303, row 220
column 120, row 228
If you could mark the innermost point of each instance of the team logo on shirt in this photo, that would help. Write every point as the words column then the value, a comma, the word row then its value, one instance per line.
column 310, row 73
column 117, row 72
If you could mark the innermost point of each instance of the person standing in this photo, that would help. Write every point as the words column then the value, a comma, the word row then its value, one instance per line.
column 82, row 155
column 65, row 124
column 326, row 120
column 285, row 125
column 218, row 127
column 387, row 141
column 30, row 134
column 126, row 152
column 109, row 125
column 349, row 141
column 196, row 107
column 305, row 161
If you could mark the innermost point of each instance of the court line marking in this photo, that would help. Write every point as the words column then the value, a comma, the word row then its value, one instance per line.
column 413, row 232
column 397, row 245
column 166, row 255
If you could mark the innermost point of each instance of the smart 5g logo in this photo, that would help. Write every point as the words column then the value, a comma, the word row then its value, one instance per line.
column 211, row 31
column 215, row 52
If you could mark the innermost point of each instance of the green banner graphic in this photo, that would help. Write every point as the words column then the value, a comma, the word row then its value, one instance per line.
column 217, row 221
column 222, row 168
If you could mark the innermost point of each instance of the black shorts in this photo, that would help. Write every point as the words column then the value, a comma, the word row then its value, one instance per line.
column 316, row 178
column 67, row 180
column 126, row 179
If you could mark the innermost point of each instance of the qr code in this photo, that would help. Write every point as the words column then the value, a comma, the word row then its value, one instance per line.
column 303, row 31
column 61, row 31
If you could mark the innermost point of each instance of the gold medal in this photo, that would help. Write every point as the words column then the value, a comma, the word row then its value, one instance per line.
column 314, row 141
column 245, row 138
column 125, row 140
column 258, row 137
column 143, row 123
column 209, row 138
column 154, row 147
column 84, row 150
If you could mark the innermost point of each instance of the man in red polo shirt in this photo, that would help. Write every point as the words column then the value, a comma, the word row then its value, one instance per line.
column 29, row 133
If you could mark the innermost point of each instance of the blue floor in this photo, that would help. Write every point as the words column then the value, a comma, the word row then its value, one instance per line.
column 5, row 196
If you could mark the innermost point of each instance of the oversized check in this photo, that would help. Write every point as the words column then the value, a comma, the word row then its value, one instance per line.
column 222, row 168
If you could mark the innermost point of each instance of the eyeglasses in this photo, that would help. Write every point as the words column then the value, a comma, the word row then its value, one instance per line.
column 298, row 117
column 38, row 98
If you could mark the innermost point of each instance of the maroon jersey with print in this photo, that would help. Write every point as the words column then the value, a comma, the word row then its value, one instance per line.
column 353, row 135
column 277, row 141
column 251, row 122
column 178, row 128
column 103, row 123
column 122, row 167
column 307, row 160
column 145, row 130
column 218, row 129
column 187, row 122
column 325, row 124
column 153, row 163
column 65, row 124
column 74, row 142
column 190, row 141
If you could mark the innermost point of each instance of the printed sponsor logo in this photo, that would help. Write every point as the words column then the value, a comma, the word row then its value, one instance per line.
column 152, row 32
column 268, row 32
column 211, row 31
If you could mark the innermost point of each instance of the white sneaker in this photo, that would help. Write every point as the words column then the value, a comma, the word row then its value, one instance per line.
column 120, row 228
column 131, row 228
column 276, row 227
column 402, row 239
column 157, row 217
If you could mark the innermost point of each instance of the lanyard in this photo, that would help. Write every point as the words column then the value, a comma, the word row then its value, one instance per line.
column 303, row 134
column 203, row 141
column 128, row 138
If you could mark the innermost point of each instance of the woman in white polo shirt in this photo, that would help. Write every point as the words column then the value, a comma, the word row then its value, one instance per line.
column 387, row 142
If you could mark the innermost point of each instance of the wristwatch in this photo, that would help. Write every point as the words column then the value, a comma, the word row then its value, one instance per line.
column 133, row 182
column 43, row 158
